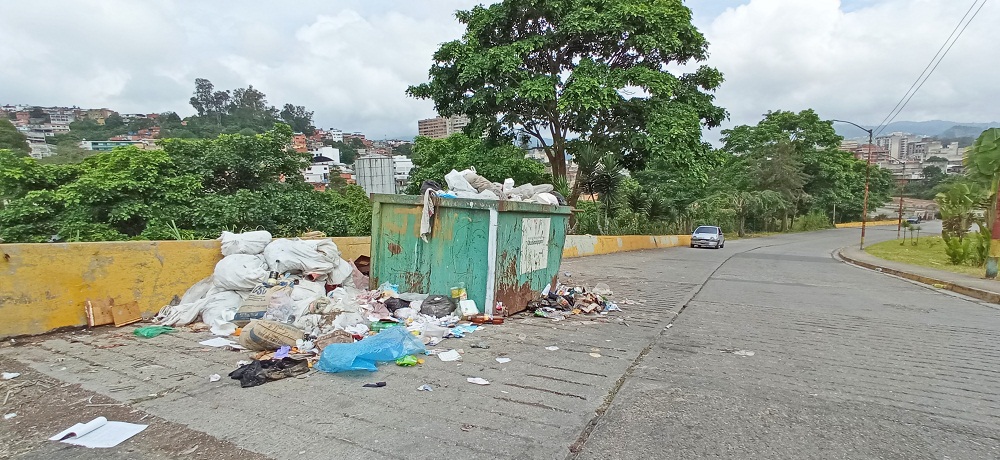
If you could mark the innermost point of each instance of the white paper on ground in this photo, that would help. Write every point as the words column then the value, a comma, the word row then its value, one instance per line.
column 11, row 375
column 553, row 348
column 478, row 380
column 220, row 342
column 450, row 355
column 503, row 360
column 99, row 433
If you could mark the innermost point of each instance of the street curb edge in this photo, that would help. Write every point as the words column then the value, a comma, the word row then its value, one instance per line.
column 980, row 294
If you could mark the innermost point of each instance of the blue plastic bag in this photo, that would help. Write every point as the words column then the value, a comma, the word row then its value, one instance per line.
column 389, row 345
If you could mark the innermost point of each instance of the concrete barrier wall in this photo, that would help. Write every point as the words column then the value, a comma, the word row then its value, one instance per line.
column 588, row 245
column 45, row 286
column 870, row 224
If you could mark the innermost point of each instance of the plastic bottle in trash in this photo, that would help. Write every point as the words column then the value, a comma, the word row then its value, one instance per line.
column 462, row 294
column 272, row 279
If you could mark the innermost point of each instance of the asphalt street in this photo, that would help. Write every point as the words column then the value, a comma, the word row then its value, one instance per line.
column 768, row 348
column 784, row 352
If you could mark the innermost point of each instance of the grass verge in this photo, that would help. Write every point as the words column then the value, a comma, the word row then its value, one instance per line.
column 928, row 252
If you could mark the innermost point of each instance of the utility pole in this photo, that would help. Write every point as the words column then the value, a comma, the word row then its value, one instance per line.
column 868, row 173
column 899, row 225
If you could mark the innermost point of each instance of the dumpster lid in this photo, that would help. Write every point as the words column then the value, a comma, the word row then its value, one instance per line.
column 471, row 203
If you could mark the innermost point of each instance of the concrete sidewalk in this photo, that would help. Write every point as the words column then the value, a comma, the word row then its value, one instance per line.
column 979, row 288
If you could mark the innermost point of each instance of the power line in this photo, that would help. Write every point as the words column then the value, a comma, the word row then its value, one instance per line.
column 932, row 65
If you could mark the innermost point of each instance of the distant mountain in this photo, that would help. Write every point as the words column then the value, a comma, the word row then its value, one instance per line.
column 933, row 128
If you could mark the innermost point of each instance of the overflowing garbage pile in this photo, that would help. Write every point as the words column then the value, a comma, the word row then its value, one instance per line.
column 563, row 301
column 298, row 303
column 469, row 184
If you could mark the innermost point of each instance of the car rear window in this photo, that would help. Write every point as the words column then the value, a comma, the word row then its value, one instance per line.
column 706, row 230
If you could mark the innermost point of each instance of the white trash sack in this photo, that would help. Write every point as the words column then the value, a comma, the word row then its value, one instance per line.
column 308, row 256
column 216, row 304
column 240, row 272
column 198, row 291
column 252, row 243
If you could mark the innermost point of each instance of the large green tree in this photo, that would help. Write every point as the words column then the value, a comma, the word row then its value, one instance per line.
column 832, row 178
column 597, row 69
column 300, row 119
column 190, row 188
column 12, row 139
column 434, row 158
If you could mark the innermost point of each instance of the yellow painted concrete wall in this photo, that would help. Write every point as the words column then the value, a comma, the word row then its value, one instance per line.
column 589, row 245
column 870, row 224
column 44, row 286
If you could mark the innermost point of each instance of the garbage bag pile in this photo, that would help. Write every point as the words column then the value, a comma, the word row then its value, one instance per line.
column 564, row 301
column 469, row 184
column 295, row 300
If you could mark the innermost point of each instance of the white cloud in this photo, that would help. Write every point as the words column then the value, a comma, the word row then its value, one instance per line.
column 854, row 65
column 351, row 60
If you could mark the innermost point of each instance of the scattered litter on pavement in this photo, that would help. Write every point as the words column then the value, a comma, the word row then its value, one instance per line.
column 374, row 385
column 743, row 353
column 595, row 355
column 468, row 427
column 478, row 380
column 425, row 387
column 10, row 375
column 9, row 416
column 408, row 361
column 219, row 342
column 298, row 305
column 214, row 378
column 152, row 331
column 450, row 355
column 98, row 433
column 939, row 285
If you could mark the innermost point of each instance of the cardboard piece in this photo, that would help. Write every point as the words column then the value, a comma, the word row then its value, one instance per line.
column 126, row 313
column 99, row 312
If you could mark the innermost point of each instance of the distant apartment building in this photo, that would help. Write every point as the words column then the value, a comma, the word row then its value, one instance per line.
column 335, row 135
column 441, row 127
column 107, row 146
column 97, row 115
column 299, row 143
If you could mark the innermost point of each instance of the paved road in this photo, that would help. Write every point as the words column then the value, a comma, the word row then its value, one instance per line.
column 845, row 363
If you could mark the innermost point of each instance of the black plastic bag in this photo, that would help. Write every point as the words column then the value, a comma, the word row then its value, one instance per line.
column 393, row 304
column 437, row 306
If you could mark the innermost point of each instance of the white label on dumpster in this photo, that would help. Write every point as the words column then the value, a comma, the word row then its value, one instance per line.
column 534, row 244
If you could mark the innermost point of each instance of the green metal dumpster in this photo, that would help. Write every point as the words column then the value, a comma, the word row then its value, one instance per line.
column 503, row 251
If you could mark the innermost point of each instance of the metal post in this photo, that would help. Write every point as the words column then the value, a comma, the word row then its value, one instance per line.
column 868, row 173
column 899, row 225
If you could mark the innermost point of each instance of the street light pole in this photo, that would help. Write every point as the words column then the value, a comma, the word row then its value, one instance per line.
column 868, row 173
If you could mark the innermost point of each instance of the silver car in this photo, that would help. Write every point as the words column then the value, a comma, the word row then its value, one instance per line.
column 708, row 236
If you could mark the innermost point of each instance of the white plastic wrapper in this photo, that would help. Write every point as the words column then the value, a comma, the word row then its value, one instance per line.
column 252, row 243
column 197, row 291
column 457, row 183
column 239, row 272
column 216, row 308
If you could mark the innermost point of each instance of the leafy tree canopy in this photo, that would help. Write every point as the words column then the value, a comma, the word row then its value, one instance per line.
column 12, row 139
column 189, row 189
column 596, row 68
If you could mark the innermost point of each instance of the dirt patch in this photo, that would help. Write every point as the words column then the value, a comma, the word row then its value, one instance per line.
column 45, row 406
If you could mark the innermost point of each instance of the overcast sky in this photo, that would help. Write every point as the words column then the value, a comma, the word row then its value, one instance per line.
column 351, row 60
